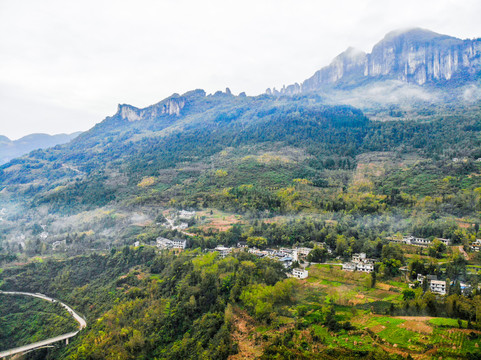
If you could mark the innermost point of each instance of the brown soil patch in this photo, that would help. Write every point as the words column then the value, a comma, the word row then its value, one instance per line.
column 383, row 286
column 377, row 328
column 392, row 350
column 141, row 276
column 223, row 224
column 463, row 224
column 417, row 326
column 219, row 224
column 359, row 299
column 466, row 331
column 242, row 334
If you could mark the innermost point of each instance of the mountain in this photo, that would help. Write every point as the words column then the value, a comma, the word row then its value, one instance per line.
column 178, row 144
column 415, row 56
column 11, row 149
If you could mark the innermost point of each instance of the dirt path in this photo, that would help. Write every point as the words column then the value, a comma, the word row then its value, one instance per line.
column 465, row 254
column 242, row 335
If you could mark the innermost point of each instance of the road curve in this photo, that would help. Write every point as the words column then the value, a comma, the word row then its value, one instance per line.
column 33, row 346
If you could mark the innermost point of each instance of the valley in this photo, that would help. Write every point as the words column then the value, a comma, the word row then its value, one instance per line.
column 337, row 219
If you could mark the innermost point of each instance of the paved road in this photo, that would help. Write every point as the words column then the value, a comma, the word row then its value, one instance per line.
column 77, row 317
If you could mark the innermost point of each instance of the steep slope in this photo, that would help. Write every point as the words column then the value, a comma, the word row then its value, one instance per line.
column 414, row 56
column 108, row 162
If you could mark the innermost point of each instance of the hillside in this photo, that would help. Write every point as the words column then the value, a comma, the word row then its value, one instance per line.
column 375, row 167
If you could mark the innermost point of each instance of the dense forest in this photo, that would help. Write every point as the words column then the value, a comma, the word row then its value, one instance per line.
column 105, row 164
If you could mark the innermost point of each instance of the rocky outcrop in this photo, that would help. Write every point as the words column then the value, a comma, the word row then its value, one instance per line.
column 173, row 106
column 414, row 56
column 421, row 56
column 129, row 113
column 170, row 106
column 351, row 64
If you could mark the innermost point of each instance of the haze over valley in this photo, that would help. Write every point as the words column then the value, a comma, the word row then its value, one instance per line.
column 334, row 218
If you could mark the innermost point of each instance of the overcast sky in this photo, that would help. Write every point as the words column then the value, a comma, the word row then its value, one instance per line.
column 65, row 65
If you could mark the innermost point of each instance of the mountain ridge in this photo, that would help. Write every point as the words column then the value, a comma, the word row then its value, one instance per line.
column 414, row 56
column 10, row 149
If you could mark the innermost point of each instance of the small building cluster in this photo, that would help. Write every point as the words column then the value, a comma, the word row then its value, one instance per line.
column 163, row 243
column 284, row 255
column 177, row 220
column 417, row 241
column 359, row 262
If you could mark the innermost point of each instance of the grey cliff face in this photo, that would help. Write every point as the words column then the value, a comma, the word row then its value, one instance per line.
column 414, row 56
column 420, row 56
column 171, row 106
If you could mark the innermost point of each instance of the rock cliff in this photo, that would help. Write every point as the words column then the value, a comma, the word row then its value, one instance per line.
column 415, row 56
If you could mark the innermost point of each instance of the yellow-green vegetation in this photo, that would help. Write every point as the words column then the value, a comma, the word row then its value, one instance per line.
column 147, row 181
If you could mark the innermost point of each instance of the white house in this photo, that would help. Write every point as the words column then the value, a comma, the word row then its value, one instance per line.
column 429, row 278
column 446, row 242
column 420, row 241
column 350, row 266
column 411, row 240
column 438, row 287
column 164, row 243
column 223, row 251
column 365, row 266
column 286, row 261
column 358, row 257
column 300, row 273
column 179, row 244
column 476, row 246
column 303, row 251
column 360, row 263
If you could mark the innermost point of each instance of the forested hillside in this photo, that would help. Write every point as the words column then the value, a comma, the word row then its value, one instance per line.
column 83, row 222
column 143, row 304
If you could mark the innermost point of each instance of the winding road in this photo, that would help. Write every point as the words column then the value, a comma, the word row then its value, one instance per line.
column 33, row 346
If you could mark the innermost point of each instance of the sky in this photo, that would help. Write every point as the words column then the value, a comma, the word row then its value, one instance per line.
column 66, row 64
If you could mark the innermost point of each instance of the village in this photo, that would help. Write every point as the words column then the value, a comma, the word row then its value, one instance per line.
column 296, row 258
column 286, row 256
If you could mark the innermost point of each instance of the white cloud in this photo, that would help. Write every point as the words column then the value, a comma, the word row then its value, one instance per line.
column 70, row 62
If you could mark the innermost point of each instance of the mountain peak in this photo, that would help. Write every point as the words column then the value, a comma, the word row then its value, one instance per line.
column 351, row 52
column 414, row 33
column 411, row 55
column 418, row 36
